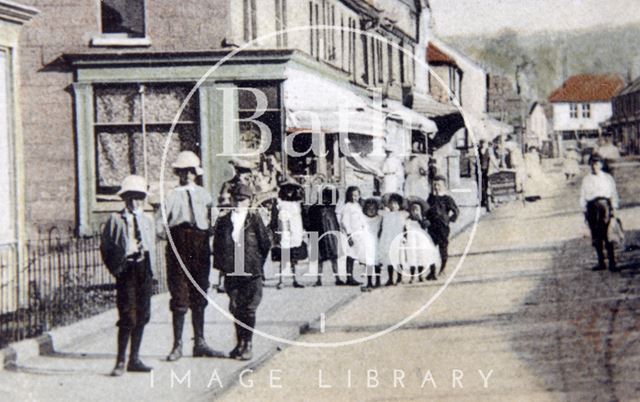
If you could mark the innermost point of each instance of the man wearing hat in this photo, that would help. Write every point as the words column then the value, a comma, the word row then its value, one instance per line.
column 128, row 250
column 188, row 214
column 442, row 211
column 242, row 231
column 599, row 200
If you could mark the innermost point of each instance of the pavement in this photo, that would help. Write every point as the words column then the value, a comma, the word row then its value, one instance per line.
column 523, row 317
column 76, row 360
column 519, row 315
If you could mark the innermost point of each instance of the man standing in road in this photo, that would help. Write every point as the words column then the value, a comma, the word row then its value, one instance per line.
column 188, row 211
column 241, row 246
column 599, row 200
column 128, row 250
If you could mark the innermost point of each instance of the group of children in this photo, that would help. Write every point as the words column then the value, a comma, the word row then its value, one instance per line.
column 410, row 233
column 404, row 235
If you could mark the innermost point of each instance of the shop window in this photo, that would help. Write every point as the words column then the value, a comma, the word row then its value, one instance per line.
column 124, row 17
column 249, row 131
column 131, row 126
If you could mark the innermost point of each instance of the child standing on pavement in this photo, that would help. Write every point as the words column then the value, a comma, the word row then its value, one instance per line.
column 128, row 250
column 188, row 218
column 420, row 250
column 391, row 231
column 442, row 211
column 286, row 224
column 373, row 224
column 323, row 221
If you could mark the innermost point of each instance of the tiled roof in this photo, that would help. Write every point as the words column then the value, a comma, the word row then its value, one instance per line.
column 588, row 88
column 435, row 55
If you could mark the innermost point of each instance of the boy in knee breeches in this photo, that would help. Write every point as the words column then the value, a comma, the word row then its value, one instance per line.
column 188, row 212
column 128, row 250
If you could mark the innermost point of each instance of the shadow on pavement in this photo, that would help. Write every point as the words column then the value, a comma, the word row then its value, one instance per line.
column 579, row 329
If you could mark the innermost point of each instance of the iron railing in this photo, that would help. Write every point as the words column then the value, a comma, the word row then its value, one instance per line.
column 56, row 281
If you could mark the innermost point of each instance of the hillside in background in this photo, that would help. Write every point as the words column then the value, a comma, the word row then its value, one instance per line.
column 544, row 60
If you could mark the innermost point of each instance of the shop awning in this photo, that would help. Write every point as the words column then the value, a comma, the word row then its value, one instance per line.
column 425, row 104
column 365, row 121
column 317, row 104
column 486, row 128
column 396, row 110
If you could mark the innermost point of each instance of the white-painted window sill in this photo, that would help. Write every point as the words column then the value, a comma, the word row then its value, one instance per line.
column 119, row 41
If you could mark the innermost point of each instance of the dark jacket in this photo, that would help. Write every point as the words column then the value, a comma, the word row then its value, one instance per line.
column 442, row 211
column 255, row 249
column 114, row 240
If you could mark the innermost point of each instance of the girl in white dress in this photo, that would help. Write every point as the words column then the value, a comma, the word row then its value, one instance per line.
column 420, row 250
column 373, row 225
column 391, row 237
column 361, row 245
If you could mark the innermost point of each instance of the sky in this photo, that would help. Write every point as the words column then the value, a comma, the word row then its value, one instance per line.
column 473, row 17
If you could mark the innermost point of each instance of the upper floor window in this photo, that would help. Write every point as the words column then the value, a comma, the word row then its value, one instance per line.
column 124, row 17
column 250, row 21
column 281, row 22
column 573, row 110
column 586, row 110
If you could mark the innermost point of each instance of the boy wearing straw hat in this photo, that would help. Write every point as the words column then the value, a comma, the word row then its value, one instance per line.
column 128, row 250
column 188, row 214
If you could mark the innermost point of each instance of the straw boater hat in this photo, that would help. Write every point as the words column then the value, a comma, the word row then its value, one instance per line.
column 133, row 184
column 187, row 160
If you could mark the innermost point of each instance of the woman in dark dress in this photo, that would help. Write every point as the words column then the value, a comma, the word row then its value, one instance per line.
column 322, row 219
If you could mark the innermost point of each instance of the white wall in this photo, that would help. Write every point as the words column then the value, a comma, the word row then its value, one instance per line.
column 600, row 111
column 473, row 92
column 537, row 124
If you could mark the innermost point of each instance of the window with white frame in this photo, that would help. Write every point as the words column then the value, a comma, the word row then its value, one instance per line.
column 281, row 22
column 7, row 171
column 586, row 110
column 250, row 20
column 123, row 17
column 131, row 125
column 573, row 110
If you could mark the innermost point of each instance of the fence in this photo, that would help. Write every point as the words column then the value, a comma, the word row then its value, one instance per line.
column 56, row 281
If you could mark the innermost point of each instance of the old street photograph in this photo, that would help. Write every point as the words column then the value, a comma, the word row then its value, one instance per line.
column 319, row 200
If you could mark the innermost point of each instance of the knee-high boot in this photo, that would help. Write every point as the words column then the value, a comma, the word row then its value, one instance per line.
column 200, row 347
column 135, row 364
column 611, row 253
column 178, row 325
column 123, row 341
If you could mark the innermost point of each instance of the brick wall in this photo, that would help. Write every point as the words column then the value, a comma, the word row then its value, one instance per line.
column 46, row 97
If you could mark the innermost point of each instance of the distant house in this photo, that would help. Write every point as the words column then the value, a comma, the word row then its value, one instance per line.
column 465, row 83
column 503, row 102
column 580, row 105
column 625, row 121
column 538, row 128
column 445, row 77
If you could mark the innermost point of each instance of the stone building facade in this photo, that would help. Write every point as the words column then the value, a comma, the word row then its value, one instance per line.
column 103, row 83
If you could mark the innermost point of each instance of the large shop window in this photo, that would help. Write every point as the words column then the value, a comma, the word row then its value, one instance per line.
column 132, row 123
column 249, row 131
column 123, row 17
